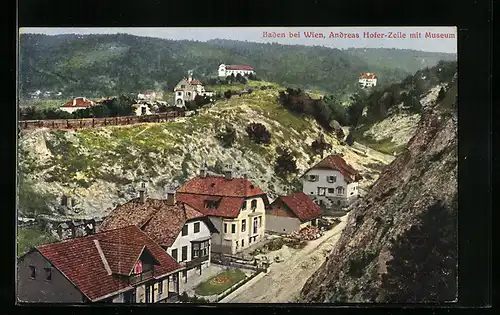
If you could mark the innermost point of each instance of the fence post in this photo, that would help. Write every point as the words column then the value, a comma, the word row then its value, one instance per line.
column 92, row 122
column 81, row 123
column 67, row 123
column 116, row 120
column 53, row 124
column 128, row 120
column 104, row 121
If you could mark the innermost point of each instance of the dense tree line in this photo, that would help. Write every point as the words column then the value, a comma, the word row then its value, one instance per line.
column 113, row 64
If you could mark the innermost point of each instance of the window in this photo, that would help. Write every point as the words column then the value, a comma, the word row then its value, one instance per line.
column 32, row 272
column 254, row 204
column 331, row 190
column 205, row 248
column 148, row 294
column 183, row 86
column 196, row 250
column 48, row 274
column 160, row 287
column 243, row 225
column 242, row 243
column 225, row 227
column 260, row 221
column 249, row 240
column 321, row 191
column 244, row 207
column 197, row 227
column 331, row 179
column 233, row 228
column 184, row 253
column 185, row 230
column 312, row 178
column 352, row 193
column 189, row 93
column 255, row 226
column 179, row 93
column 340, row 190
column 236, row 244
column 174, row 254
column 184, row 273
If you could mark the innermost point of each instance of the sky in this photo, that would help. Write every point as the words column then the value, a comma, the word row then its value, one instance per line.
column 256, row 34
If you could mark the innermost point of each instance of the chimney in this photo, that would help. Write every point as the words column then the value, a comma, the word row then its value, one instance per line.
column 170, row 195
column 203, row 170
column 228, row 171
column 142, row 192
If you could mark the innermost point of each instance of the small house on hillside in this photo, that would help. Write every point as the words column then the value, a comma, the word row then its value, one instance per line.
column 187, row 89
column 331, row 182
column 292, row 213
column 77, row 104
column 227, row 70
column 367, row 80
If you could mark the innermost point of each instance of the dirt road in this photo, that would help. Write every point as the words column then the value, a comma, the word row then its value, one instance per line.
column 283, row 282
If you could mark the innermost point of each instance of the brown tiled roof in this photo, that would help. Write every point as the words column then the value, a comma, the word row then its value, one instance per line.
column 195, row 82
column 367, row 76
column 159, row 220
column 228, row 207
column 238, row 67
column 79, row 102
column 79, row 260
column 336, row 162
column 219, row 186
column 303, row 206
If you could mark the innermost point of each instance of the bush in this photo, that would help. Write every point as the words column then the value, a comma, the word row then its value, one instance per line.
column 228, row 137
column 285, row 163
column 258, row 133
column 319, row 146
column 228, row 94
column 350, row 139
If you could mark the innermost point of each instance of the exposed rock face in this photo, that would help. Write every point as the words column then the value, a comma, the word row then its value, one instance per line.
column 424, row 175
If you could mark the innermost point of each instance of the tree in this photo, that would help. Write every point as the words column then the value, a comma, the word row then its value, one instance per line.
column 228, row 94
column 355, row 110
column 285, row 163
column 227, row 137
column 424, row 264
column 258, row 133
column 350, row 139
column 441, row 94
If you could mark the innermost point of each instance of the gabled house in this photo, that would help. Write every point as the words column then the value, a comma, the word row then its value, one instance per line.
column 288, row 214
column 119, row 266
column 227, row 70
column 367, row 80
column 235, row 206
column 331, row 182
column 76, row 104
column 187, row 89
column 178, row 228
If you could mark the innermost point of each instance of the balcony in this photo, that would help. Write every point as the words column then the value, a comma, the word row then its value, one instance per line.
column 194, row 262
column 146, row 275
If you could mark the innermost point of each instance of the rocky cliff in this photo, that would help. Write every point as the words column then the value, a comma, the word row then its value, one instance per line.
column 399, row 244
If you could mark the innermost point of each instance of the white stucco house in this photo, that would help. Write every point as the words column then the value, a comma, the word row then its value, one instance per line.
column 331, row 182
column 235, row 206
column 187, row 89
column 76, row 104
column 183, row 232
column 227, row 70
column 142, row 109
column 367, row 80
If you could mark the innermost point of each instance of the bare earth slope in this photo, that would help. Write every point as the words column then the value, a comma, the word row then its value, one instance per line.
column 424, row 174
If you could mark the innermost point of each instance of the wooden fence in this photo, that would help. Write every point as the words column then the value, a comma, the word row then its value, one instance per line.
column 98, row 122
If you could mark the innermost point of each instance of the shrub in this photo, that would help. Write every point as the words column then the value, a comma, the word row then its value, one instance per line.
column 258, row 133
column 227, row 137
column 228, row 94
column 318, row 146
column 350, row 139
column 285, row 163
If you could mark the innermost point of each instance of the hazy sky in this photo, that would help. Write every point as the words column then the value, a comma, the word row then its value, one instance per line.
column 255, row 34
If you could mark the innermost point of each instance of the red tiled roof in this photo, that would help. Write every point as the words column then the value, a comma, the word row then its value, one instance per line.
column 160, row 221
column 228, row 207
column 336, row 162
column 219, row 186
column 195, row 82
column 367, row 76
column 79, row 260
column 303, row 206
column 79, row 102
column 238, row 67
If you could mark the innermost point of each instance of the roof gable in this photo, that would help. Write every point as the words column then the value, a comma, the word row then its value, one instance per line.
column 336, row 162
column 302, row 206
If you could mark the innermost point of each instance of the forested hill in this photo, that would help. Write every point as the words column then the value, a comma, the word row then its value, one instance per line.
column 103, row 65
column 402, row 59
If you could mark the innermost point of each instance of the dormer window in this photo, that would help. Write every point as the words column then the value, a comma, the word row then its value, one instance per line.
column 331, row 179
column 210, row 204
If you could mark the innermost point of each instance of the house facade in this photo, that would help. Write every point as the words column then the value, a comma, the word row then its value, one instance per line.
column 331, row 182
column 187, row 89
column 180, row 230
column 77, row 104
column 288, row 214
column 118, row 266
column 367, row 80
column 235, row 206
column 227, row 70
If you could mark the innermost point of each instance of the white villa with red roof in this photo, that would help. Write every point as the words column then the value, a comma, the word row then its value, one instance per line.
column 331, row 182
column 227, row 70
column 187, row 89
column 182, row 231
column 292, row 213
column 367, row 80
column 235, row 206
column 77, row 103
column 120, row 266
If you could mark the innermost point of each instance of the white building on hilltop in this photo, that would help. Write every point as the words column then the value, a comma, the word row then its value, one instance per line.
column 227, row 70
column 367, row 80
column 187, row 89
